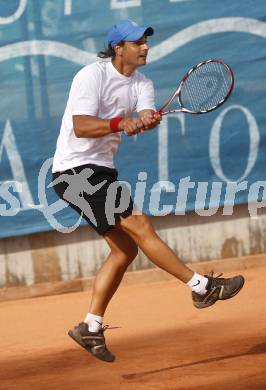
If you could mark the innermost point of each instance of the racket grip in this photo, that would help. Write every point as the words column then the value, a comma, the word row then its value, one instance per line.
column 157, row 114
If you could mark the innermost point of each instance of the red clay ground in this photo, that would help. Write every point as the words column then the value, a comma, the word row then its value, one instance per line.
column 163, row 343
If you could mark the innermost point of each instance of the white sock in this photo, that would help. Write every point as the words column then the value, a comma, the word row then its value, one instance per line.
column 94, row 322
column 198, row 283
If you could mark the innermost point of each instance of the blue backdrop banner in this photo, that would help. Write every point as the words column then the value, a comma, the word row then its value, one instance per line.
column 190, row 162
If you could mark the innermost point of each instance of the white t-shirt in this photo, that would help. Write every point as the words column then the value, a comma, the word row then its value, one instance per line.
column 99, row 90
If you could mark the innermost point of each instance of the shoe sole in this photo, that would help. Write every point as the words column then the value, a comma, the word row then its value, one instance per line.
column 200, row 305
column 77, row 338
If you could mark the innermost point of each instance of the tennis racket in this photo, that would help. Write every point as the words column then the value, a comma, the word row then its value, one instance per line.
column 204, row 88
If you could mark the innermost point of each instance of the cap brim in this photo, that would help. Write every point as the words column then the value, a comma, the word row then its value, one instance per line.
column 138, row 33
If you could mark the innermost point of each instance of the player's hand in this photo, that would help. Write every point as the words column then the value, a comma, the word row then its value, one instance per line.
column 131, row 126
column 150, row 119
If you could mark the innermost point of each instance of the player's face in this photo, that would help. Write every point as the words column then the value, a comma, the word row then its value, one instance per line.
column 135, row 53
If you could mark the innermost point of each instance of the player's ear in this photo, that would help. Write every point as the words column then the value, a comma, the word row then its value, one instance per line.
column 118, row 49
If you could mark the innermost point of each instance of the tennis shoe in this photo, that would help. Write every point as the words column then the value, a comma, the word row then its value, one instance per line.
column 218, row 289
column 93, row 342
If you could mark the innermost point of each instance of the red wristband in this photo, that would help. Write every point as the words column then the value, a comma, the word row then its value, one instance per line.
column 114, row 122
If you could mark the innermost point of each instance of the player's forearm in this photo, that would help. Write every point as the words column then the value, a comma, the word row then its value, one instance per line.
column 86, row 126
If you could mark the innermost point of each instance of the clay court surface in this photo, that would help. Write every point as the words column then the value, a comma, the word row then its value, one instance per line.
column 163, row 342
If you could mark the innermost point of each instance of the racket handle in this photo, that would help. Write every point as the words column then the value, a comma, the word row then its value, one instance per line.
column 157, row 114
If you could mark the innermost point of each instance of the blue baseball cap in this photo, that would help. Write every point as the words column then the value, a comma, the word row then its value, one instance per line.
column 127, row 30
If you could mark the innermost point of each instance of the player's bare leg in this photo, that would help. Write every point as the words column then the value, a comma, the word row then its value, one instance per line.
column 140, row 228
column 89, row 333
column 123, row 252
column 206, row 290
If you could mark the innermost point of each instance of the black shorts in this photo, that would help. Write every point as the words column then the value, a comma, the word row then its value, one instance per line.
column 95, row 193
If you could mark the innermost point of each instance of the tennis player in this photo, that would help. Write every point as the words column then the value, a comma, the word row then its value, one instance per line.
column 100, row 106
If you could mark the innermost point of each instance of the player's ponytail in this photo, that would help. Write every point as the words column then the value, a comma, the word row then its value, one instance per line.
column 109, row 51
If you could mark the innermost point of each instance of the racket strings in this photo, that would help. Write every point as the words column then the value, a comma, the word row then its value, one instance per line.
column 205, row 87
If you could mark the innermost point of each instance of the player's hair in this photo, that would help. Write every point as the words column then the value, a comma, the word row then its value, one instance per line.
column 109, row 51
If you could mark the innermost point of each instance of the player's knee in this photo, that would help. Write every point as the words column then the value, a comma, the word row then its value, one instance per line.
column 131, row 253
column 124, row 259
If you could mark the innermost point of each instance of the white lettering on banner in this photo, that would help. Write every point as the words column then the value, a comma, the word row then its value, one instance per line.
column 9, row 144
column 9, row 198
column 214, row 144
column 154, row 205
column 201, row 197
column 140, row 192
column 116, row 4
column 181, row 201
column 232, row 188
column 163, row 147
column 16, row 15
column 253, row 203
column 68, row 7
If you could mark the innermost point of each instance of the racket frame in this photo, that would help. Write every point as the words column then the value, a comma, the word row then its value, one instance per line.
column 177, row 93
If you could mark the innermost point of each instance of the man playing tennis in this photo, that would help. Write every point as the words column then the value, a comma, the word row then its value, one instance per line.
column 102, row 98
